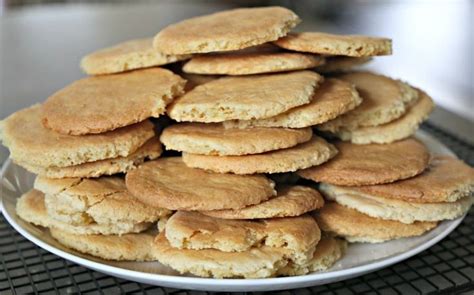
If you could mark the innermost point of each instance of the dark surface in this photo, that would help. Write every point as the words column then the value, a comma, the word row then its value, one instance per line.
column 446, row 268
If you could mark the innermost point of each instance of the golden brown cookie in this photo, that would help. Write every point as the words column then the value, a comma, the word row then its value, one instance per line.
column 393, row 209
column 149, row 151
column 348, row 45
column 311, row 153
column 357, row 165
column 383, row 100
column 31, row 143
column 126, row 56
column 245, row 98
column 333, row 98
column 358, row 227
column 290, row 201
column 214, row 139
column 447, row 179
column 169, row 183
column 338, row 64
column 226, row 30
column 103, row 103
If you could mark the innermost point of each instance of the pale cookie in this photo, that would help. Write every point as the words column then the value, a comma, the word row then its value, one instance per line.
column 290, row 201
column 31, row 143
column 358, row 227
column 398, row 129
column 126, row 56
column 338, row 64
column 357, row 165
column 103, row 201
column 149, row 151
column 227, row 30
column 383, row 100
column 392, row 209
column 245, row 98
column 169, row 183
column 103, row 103
column 328, row 251
column 333, row 98
column 129, row 247
column 311, row 153
column 251, row 63
column 193, row 230
column 214, row 139
column 31, row 208
column 261, row 262
column 331, row 44
column 447, row 179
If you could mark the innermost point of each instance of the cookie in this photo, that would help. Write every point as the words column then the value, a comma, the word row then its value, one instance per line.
column 149, row 151
column 311, row 153
column 31, row 208
column 383, row 100
column 401, row 128
column 227, row 30
column 328, row 251
column 126, row 56
column 333, row 98
column 129, row 247
column 447, row 179
column 236, row 63
column 214, row 139
column 245, row 98
column 358, row 227
column 103, row 103
column 193, row 230
column 169, row 183
column 338, row 64
column 31, row 143
column 290, row 201
column 103, row 201
column 258, row 262
column 357, row 165
column 331, row 44
column 393, row 209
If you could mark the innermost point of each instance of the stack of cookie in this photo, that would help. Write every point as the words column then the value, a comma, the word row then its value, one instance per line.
column 255, row 106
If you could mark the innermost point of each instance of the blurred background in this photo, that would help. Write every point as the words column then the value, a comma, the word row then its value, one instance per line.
column 42, row 42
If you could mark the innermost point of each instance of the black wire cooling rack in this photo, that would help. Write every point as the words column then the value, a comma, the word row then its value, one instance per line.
column 446, row 268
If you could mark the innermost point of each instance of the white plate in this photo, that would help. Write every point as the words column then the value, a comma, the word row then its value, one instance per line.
column 359, row 259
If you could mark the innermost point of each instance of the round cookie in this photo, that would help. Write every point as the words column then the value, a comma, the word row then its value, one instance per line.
column 358, row 227
column 383, row 100
column 337, row 64
column 447, row 179
column 331, row 44
column 126, row 56
column 193, row 230
column 290, row 201
column 251, row 63
column 102, row 201
column 227, row 30
column 398, row 129
column 357, row 165
column 393, row 209
column 128, row 247
column 333, row 98
column 31, row 143
column 261, row 262
column 214, row 139
column 246, row 97
column 311, row 153
column 169, row 183
column 31, row 208
column 149, row 151
column 103, row 103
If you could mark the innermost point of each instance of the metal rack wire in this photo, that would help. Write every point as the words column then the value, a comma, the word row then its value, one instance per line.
column 446, row 268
